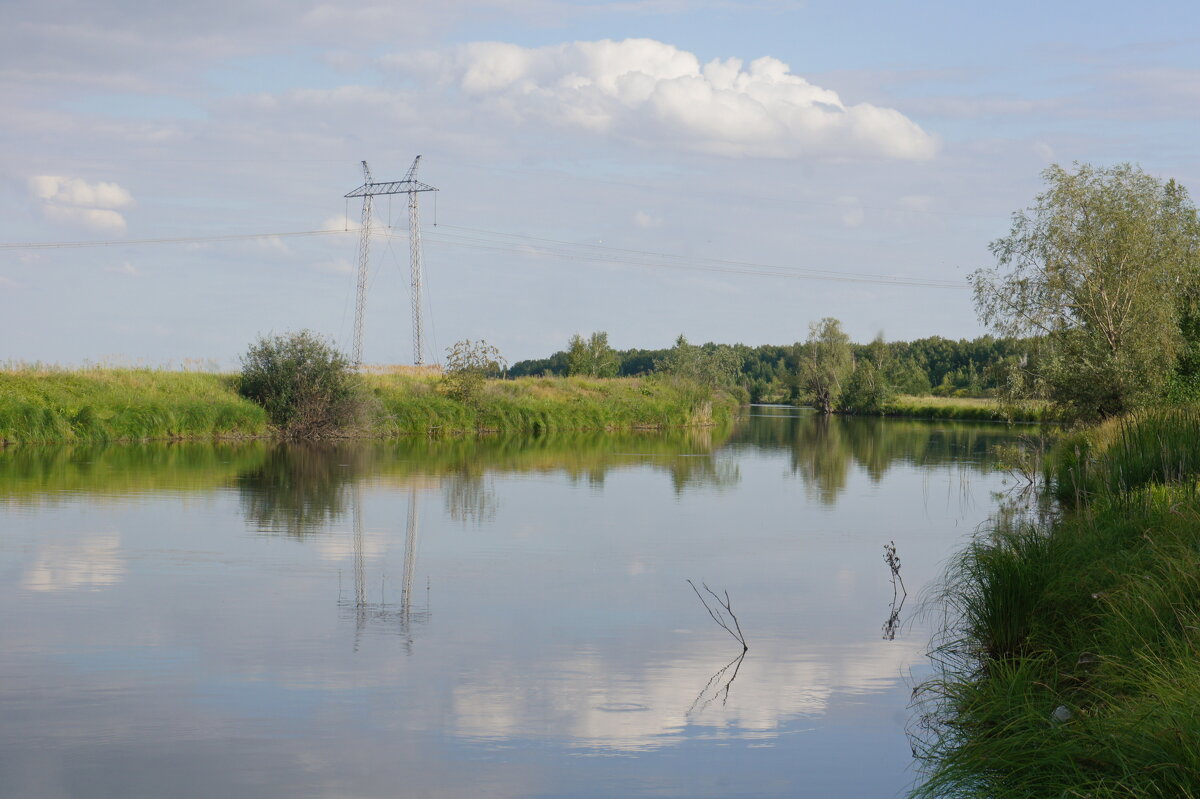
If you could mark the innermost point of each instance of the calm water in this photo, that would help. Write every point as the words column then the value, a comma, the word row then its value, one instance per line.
column 499, row 618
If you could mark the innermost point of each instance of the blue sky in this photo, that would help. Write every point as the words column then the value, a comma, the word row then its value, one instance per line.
column 650, row 167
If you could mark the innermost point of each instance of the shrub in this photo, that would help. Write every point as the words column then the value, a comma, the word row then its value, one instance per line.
column 468, row 364
column 306, row 386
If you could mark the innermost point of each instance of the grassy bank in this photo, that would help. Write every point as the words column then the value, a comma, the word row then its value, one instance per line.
column 978, row 408
column 408, row 405
column 96, row 405
column 101, row 405
column 1070, row 667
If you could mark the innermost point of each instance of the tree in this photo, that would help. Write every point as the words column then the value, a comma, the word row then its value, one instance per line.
column 468, row 364
column 868, row 391
column 825, row 364
column 1103, row 270
column 712, row 366
column 306, row 385
column 592, row 358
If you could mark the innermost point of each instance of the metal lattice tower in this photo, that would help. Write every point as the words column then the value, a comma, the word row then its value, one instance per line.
column 412, row 187
column 364, row 262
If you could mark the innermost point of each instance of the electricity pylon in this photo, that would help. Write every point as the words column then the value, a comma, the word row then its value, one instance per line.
column 412, row 187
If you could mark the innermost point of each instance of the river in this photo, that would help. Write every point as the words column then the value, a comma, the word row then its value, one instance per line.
column 481, row 618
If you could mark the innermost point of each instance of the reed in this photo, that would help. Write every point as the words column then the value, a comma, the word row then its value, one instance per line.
column 1068, row 665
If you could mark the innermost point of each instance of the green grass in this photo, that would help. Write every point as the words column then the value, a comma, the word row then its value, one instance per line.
column 1095, row 610
column 406, row 405
column 1152, row 446
column 978, row 408
column 105, row 405
column 98, row 405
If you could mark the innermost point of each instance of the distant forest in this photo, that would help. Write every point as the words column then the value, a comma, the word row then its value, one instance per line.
column 934, row 365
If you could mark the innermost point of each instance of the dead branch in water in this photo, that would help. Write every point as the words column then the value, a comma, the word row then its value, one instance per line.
column 718, row 616
column 722, row 609
column 899, row 592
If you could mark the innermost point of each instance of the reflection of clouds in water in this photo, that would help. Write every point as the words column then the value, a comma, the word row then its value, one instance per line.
column 92, row 563
column 588, row 702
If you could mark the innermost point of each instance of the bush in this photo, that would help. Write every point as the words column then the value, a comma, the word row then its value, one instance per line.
column 468, row 365
column 307, row 387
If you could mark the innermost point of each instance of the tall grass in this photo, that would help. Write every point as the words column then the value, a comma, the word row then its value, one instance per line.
column 97, row 405
column 1160, row 445
column 407, row 405
column 965, row 408
column 101, row 405
column 1070, row 662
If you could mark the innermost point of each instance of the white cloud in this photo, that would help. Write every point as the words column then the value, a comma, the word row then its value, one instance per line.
column 78, row 203
column 124, row 269
column 647, row 221
column 102, row 220
column 649, row 91
column 73, row 191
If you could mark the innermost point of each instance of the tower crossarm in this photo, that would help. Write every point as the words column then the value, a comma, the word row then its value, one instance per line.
column 390, row 187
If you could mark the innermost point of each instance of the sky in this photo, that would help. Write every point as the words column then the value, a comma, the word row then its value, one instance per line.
column 731, row 171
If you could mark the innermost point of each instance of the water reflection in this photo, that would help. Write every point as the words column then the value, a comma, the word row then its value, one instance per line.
column 297, row 488
column 258, row 616
column 401, row 619
column 824, row 449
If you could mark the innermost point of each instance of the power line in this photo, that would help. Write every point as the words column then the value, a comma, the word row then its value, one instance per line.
column 525, row 245
column 53, row 245
column 575, row 251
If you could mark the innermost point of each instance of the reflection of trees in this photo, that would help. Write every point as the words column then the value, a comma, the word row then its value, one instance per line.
column 823, row 449
column 300, row 488
column 821, row 457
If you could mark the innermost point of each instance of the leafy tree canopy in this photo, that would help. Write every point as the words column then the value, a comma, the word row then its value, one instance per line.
column 1103, row 270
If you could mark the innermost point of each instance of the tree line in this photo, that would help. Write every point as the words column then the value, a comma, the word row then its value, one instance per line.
column 1094, row 300
column 776, row 373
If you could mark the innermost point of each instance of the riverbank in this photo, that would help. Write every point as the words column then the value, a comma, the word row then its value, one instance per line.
column 101, row 405
column 978, row 408
column 1070, row 665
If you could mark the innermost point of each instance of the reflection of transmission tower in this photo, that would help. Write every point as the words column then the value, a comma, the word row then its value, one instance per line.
column 410, row 561
column 412, row 187
column 380, row 612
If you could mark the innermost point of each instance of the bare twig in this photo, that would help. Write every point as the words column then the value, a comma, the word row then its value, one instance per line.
column 899, row 592
column 718, row 616
column 721, row 611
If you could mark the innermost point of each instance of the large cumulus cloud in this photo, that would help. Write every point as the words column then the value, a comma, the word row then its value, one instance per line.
column 653, row 92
